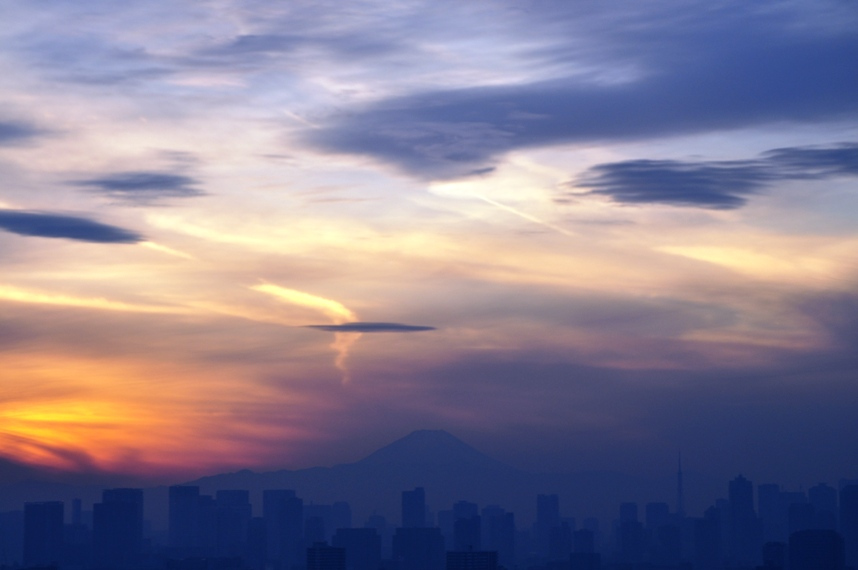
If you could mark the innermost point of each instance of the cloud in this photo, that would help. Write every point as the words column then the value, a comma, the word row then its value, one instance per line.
column 707, row 185
column 42, row 224
column 815, row 162
column 334, row 310
column 341, row 42
column 12, row 132
column 755, row 74
column 143, row 186
column 361, row 327
column 715, row 184
column 19, row 295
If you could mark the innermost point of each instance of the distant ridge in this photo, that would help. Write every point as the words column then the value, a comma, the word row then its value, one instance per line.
column 433, row 447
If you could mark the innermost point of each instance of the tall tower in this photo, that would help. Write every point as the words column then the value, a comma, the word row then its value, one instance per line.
column 680, row 495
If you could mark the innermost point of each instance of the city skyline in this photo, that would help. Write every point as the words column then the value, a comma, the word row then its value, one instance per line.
column 272, row 526
column 237, row 234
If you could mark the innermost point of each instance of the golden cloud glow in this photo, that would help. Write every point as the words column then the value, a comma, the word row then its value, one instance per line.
column 758, row 263
column 17, row 294
column 334, row 310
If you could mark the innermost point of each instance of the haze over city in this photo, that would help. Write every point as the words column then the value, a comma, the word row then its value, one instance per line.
column 582, row 237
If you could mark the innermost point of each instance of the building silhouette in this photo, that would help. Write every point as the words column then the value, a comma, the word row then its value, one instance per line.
column 472, row 560
column 320, row 556
column 183, row 519
column 414, row 508
column 498, row 528
column 233, row 512
column 43, row 533
column 816, row 549
column 273, row 504
column 419, row 548
column 849, row 523
column 744, row 532
column 362, row 547
column 117, row 529
column 584, row 555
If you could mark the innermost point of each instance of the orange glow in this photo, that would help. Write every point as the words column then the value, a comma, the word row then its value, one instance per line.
column 131, row 417
column 17, row 294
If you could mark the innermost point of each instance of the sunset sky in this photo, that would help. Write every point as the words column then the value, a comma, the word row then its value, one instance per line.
column 578, row 235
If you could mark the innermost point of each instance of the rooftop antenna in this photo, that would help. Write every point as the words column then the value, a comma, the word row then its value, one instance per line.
column 680, row 497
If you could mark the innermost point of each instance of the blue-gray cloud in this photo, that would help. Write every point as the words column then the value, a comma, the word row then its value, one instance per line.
column 43, row 224
column 143, row 186
column 724, row 79
column 815, row 162
column 266, row 44
column 360, row 327
column 715, row 184
column 12, row 132
column 708, row 185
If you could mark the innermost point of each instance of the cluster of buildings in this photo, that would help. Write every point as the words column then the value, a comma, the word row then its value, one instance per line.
column 771, row 529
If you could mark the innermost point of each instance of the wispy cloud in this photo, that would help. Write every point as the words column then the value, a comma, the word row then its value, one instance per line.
column 143, row 186
column 22, row 295
column 334, row 310
column 44, row 224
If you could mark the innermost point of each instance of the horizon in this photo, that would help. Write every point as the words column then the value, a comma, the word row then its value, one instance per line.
column 701, row 491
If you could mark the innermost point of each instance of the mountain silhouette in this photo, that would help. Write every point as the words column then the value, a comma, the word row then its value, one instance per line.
column 449, row 470
column 430, row 448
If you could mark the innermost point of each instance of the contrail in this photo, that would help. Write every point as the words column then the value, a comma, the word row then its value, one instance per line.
column 165, row 249
column 524, row 215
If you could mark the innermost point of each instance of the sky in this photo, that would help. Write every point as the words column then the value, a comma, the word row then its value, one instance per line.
column 577, row 235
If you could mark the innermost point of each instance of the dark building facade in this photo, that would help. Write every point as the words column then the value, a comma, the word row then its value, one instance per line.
column 43, row 533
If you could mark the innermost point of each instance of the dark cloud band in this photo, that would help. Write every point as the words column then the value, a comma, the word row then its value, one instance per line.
column 359, row 327
column 754, row 80
column 41, row 224
column 12, row 133
column 715, row 184
column 143, row 186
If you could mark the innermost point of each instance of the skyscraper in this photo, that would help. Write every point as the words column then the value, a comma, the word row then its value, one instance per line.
column 273, row 503
column 233, row 517
column 320, row 556
column 849, row 522
column 744, row 533
column 472, row 560
column 547, row 519
column 816, row 550
column 183, row 505
column 362, row 547
column 419, row 548
column 414, row 508
column 43, row 533
column 117, row 529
